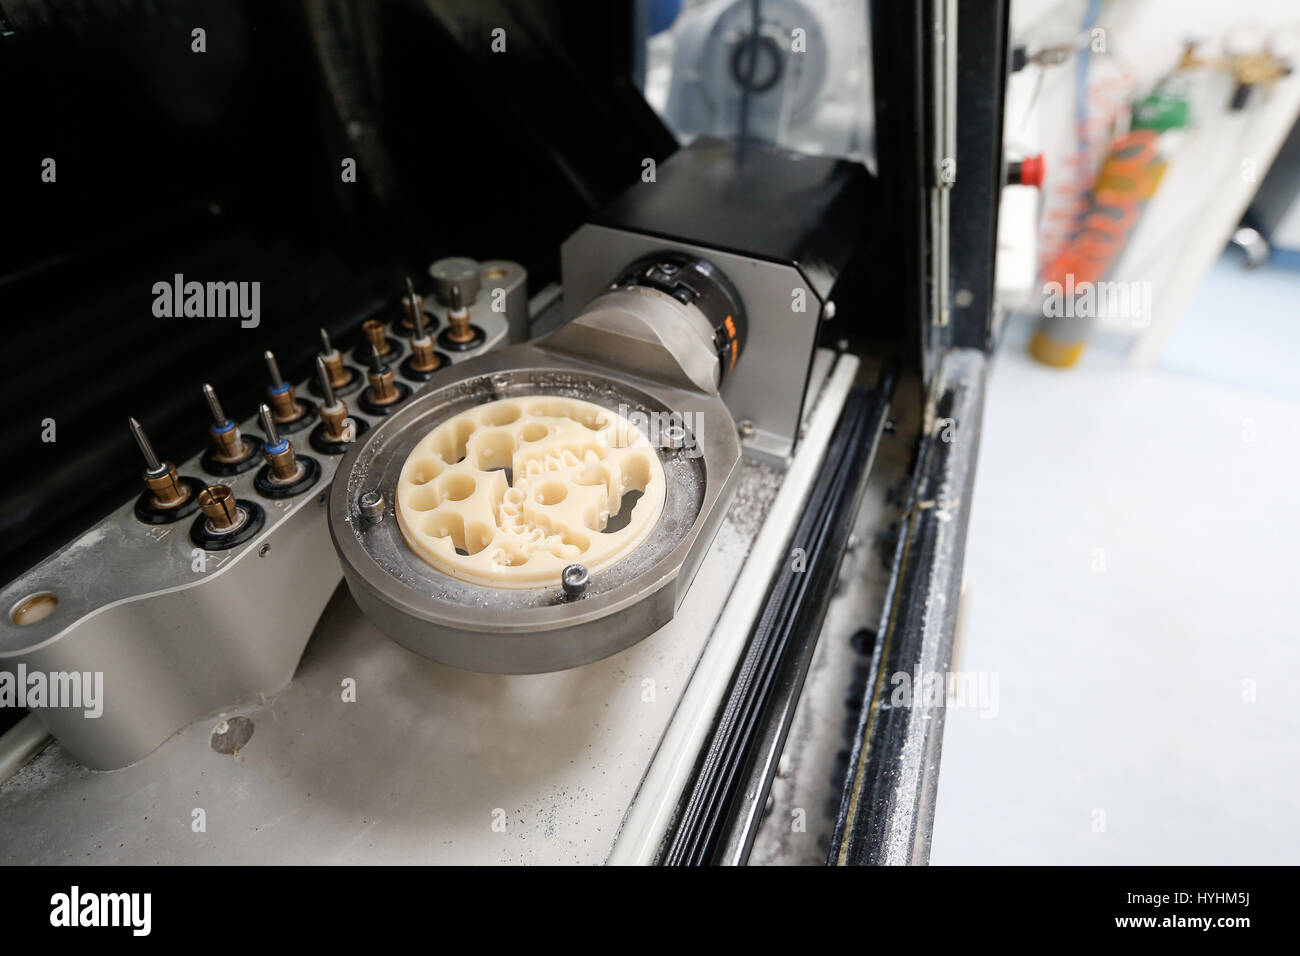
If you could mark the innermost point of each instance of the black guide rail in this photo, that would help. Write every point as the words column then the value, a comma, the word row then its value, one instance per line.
column 723, row 804
column 887, row 808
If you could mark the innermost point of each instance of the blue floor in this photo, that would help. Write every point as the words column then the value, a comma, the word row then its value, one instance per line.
column 1242, row 328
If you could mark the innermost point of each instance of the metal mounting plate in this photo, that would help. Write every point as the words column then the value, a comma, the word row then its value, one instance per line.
column 532, row 630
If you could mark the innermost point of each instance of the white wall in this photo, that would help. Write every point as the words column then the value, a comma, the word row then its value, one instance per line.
column 1215, row 169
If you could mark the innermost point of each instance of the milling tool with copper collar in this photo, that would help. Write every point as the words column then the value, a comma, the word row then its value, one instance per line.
column 285, row 473
column 167, row 497
column 231, row 452
column 344, row 379
column 226, row 520
column 336, row 430
column 424, row 359
column 460, row 335
column 409, row 305
column 383, row 395
column 290, row 414
column 374, row 337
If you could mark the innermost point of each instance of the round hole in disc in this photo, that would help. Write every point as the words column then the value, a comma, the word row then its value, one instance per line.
column 458, row 487
column 552, row 493
column 425, row 470
column 424, row 498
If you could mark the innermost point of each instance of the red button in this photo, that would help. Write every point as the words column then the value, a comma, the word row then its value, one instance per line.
column 1032, row 171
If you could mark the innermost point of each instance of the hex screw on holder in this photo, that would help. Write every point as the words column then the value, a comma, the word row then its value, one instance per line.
column 574, row 580
column 372, row 507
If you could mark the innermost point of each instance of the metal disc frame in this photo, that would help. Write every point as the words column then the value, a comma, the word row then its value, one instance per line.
column 537, row 629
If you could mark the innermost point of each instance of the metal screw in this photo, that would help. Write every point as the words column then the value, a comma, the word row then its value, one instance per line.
column 155, row 467
column 747, row 429
column 372, row 507
column 214, row 406
column 265, row 549
column 499, row 384
column 272, row 366
column 673, row 436
column 414, row 306
column 326, row 387
column 828, row 311
column 574, row 580
column 268, row 427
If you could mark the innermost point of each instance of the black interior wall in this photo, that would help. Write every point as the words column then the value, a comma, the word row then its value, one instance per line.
column 225, row 166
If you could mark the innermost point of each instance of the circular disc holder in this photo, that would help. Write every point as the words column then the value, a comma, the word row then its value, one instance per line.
column 499, row 606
